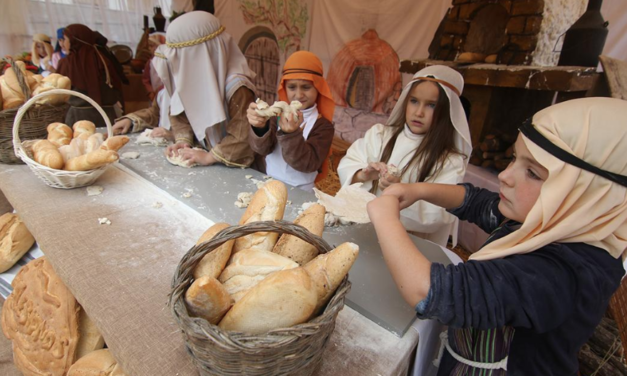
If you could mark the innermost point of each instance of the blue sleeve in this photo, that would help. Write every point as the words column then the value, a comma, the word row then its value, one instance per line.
column 480, row 207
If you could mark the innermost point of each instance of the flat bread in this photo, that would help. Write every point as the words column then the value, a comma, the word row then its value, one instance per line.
column 349, row 203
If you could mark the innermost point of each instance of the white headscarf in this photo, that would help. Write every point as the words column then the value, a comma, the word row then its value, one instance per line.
column 575, row 205
column 201, row 59
column 453, row 84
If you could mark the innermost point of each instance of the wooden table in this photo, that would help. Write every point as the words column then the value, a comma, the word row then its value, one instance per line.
column 121, row 273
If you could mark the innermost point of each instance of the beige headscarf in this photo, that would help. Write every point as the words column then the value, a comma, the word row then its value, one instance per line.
column 41, row 38
column 202, row 59
column 576, row 205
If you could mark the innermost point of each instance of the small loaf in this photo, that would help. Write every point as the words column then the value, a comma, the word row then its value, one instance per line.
column 59, row 134
column 249, row 267
column 328, row 270
column 47, row 154
column 267, row 204
column 297, row 249
column 282, row 300
column 83, row 129
column 213, row 262
column 96, row 363
column 93, row 142
column 207, row 298
column 15, row 240
column 114, row 143
column 91, row 160
column 74, row 149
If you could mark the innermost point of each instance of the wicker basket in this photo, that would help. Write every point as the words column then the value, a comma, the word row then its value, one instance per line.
column 289, row 351
column 33, row 124
column 52, row 177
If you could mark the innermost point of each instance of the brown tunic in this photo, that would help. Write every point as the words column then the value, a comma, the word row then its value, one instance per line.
column 233, row 150
column 302, row 155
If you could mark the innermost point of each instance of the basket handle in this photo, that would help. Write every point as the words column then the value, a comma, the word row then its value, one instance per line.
column 21, row 80
column 17, row 143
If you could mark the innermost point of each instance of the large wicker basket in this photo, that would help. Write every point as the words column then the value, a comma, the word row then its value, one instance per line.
column 52, row 177
column 33, row 124
column 288, row 351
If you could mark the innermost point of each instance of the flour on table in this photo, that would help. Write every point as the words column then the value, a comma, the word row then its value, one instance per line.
column 178, row 160
column 157, row 205
column 94, row 190
column 248, row 176
column 145, row 138
column 349, row 204
column 188, row 193
column 130, row 155
column 104, row 221
column 243, row 199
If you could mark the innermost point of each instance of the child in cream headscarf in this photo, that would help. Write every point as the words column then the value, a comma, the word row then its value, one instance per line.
column 41, row 54
column 532, row 296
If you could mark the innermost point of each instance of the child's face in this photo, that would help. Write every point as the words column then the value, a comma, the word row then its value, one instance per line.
column 65, row 43
column 41, row 50
column 520, row 183
column 421, row 102
column 302, row 91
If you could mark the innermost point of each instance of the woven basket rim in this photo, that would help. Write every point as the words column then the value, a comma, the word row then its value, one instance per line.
column 183, row 278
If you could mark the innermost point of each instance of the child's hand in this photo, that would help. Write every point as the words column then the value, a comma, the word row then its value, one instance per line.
column 373, row 171
column 254, row 118
column 383, row 209
column 122, row 126
column 387, row 180
column 291, row 122
column 172, row 150
column 162, row 132
column 200, row 157
column 405, row 194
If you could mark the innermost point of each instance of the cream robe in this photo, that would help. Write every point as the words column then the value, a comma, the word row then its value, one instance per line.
column 431, row 222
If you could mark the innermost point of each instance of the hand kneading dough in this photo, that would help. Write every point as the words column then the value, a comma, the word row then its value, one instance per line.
column 267, row 204
column 207, row 298
column 96, row 363
column 40, row 303
column 213, row 262
column 297, row 249
column 282, row 300
column 15, row 240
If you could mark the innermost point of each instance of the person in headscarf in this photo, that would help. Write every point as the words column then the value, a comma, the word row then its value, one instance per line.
column 210, row 86
column 154, row 40
column 295, row 149
column 526, row 302
column 41, row 54
column 59, row 51
column 93, row 71
column 427, row 139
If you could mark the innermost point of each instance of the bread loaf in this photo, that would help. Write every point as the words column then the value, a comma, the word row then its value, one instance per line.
column 91, row 160
column 96, row 363
column 1, row 100
column 93, row 142
column 51, row 82
column 59, row 134
column 15, row 240
column 267, row 204
column 83, row 128
column 297, row 249
column 249, row 267
column 328, row 270
column 47, row 154
column 89, row 338
column 75, row 149
column 12, row 94
column 213, row 262
column 282, row 300
column 114, row 143
column 207, row 298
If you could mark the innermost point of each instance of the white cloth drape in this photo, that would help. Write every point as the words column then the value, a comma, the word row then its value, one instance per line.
column 121, row 21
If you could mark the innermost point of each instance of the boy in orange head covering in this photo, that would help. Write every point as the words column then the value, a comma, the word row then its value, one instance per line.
column 295, row 147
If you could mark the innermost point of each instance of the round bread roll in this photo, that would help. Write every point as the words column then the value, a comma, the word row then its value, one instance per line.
column 83, row 128
column 96, row 363
column 59, row 134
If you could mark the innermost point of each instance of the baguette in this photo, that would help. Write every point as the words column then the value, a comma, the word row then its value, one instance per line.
column 328, row 270
column 249, row 267
column 15, row 240
column 207, row 298
column 83, row 128
column 114, row 143
column 90, row 161
column 282, row 300
column 47, row 154
column 59, row 134
column 213, row 262
column 297, row 249
column 96, row 363
column 267, row 204
column 75, row 149
column 93, row 142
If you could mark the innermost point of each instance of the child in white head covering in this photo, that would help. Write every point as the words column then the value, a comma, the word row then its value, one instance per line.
column 426, row 138
column 529, row 299
column 209, row 84
column 41, row 53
